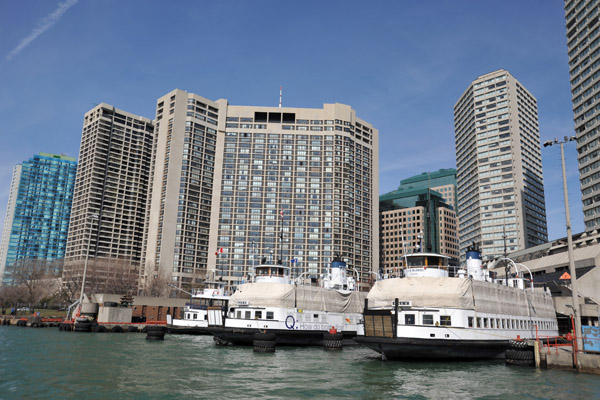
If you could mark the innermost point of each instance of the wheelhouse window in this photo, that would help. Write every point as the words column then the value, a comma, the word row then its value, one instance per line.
column 470, row 322
column 258, row 314
column 445, row 320
column 409, row 319
column 427, row 319
column 270, row 315
column 248, row 315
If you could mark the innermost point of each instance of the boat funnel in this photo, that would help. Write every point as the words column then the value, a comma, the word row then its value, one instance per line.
column 474, row 264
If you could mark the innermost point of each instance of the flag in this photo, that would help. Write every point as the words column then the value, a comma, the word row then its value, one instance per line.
column 281, row 213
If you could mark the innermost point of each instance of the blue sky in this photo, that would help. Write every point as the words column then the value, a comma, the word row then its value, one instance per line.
column 400, row 64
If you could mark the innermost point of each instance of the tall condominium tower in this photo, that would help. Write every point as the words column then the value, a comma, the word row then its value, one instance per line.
column 498, row 166
column 113, row 182
column 419, row 216
column 236, row 184
column 37, row 216
column 582, row 39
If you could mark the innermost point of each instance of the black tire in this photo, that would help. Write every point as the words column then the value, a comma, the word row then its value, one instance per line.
column 265, row 336
column 510, row 354
column 156, row 328
column 82, row 327
column 523, row 363
column 155, row 335
column 527, row 355
column 264, row 349
column 333, row 336
column 132, row 329
column 116, row 329
column 333, row 345
column 264, row 343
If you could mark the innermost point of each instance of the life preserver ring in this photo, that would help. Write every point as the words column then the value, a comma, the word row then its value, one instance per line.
column 287, row 324
column 215, row 292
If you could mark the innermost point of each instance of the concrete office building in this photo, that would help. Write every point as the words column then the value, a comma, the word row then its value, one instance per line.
column 549, row 265
column 235, row 184
column 37, row 216
column 582, row 41
column 498, row 166
column 419, row 216
column 109, row 211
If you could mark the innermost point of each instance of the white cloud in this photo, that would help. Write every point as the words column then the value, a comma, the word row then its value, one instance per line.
column 42, row 26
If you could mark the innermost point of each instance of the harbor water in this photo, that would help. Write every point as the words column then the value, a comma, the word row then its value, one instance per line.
column 46, row 363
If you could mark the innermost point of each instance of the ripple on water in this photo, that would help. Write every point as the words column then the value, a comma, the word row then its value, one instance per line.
column 46, row 363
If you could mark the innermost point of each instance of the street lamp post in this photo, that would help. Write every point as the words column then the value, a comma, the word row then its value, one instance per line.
column 420, row 236
column 574, row 293
column 87, row 257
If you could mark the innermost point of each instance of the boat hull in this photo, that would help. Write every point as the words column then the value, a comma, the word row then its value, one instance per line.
column 284, row 337
column 188, row 330
column 434, row 349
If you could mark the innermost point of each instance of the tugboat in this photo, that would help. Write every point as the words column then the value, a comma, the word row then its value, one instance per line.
column 298, row 315
column 206, row 306
column 428, row 312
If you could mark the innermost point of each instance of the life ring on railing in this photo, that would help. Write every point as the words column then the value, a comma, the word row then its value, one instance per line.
column 215, row 292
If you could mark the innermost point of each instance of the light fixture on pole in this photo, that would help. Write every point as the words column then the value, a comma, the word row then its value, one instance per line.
column 420, row 236
column 90, row 219
column 574, row 293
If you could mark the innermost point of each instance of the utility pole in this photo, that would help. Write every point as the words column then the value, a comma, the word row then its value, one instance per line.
column 572, row 271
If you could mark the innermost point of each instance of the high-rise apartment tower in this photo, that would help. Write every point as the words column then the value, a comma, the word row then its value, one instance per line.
column 582, row 41
column 109, row 212
column 498, row 166
column 236, row 184
column 37, row 216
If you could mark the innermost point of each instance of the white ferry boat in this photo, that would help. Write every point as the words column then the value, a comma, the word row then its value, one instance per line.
column 425, row 313
column 208, row 303
column 297, row 314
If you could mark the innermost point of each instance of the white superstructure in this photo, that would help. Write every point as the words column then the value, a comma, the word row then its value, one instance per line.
column 442, row 314
column 298, row 314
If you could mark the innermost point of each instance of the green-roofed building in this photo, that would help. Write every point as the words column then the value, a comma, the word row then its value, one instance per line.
column 419, row 216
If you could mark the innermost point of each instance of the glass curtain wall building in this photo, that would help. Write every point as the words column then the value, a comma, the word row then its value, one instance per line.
column 583, row 41
column 499, row 170
column 238, row 184
column 419, row 216
column 38, row 213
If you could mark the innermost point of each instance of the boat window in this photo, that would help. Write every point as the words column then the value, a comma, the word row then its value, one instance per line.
column 188, row 316
column 195, row 316
column 239, row 314
column 470, row 322
column 205, row 317
column 258, row 314
column 427, row 319
column 485, row 322
column 248, row 314
column 409, row 319
column 270, row 315
column 445, row 320
column 498, row 323
column 479, row 322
